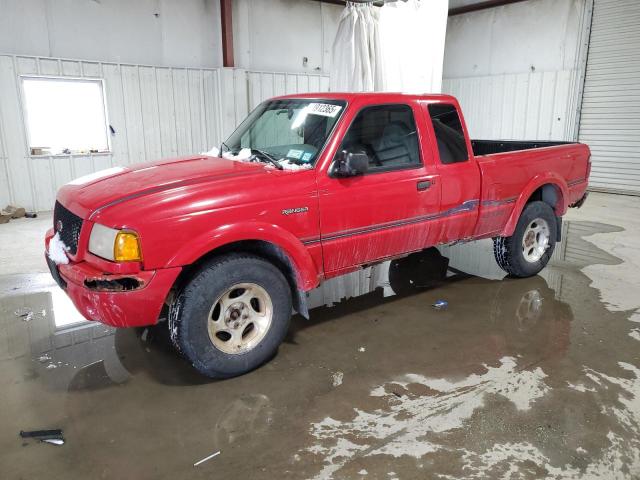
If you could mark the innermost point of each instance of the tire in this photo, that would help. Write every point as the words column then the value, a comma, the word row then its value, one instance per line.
column 520, row 258
column 207, row 319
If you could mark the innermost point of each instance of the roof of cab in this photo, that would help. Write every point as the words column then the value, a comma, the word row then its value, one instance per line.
column 378, row 96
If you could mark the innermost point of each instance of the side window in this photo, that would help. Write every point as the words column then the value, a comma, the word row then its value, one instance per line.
column 449, row 135
column 388, row 134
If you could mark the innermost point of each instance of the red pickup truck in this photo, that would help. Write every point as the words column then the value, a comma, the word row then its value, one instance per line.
column 307, row 188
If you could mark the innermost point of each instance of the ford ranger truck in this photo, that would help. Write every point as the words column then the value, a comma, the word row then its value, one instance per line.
column 307, row 188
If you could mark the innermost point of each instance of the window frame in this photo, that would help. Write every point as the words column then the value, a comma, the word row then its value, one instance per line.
column 435, row 135
column 25, row 123
column 378, row 170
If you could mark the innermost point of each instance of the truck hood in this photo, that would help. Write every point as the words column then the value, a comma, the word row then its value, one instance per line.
column 86, row 195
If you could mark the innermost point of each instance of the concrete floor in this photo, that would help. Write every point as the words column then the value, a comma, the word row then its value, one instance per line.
column 516, row 379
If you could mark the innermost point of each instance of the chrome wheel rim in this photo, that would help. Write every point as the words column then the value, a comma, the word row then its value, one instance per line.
column 535, row 241
column 240, row 318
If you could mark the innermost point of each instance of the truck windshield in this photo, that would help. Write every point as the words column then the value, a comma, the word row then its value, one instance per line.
column 289, row 129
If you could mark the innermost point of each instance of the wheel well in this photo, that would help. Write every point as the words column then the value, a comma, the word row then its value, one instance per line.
column 260, row 248
column 549, row 194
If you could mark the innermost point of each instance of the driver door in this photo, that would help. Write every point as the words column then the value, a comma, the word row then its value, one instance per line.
column 392, row 208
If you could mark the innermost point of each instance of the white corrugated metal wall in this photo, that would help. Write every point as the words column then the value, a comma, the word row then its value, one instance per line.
column 524, row 106
column 610, row 117
column 530, row 58
column 156, row 112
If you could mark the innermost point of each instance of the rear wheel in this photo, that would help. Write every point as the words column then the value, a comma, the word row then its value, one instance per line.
column 530, row 247
column 232, row 316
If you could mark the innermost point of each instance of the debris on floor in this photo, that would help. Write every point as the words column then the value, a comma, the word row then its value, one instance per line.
column 11, row 211
column 24, row 313
column 440, row 304
column 206, row 458
column 53, row 441
column 336, row 379
column 16, row 212
column 362, row 349
column 53, row 436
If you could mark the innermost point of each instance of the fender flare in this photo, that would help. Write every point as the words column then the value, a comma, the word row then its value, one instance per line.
column 307, row 275
column 549, row 178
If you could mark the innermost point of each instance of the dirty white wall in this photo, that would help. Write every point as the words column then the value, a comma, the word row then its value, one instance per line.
column 271, row 35
column 517, row 68
column 275, row 35
column 154, row 32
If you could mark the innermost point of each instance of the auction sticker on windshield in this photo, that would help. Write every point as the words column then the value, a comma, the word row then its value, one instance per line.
column 324, row 109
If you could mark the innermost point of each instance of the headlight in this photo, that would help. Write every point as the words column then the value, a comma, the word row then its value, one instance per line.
column 115, row 245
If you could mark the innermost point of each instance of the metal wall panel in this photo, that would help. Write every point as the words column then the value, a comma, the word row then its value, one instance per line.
column 263, row 85
column 525, row 106
column 610, row 117
column 156, row 112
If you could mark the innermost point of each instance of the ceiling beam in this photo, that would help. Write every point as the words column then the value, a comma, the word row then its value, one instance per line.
column 226, row 20
column 452, row 11
column 474, row 7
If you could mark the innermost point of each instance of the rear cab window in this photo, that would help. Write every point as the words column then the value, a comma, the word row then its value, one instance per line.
column 452, row 145
column 387, row 133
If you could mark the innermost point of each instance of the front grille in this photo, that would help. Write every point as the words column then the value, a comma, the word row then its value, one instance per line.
column 68, row 225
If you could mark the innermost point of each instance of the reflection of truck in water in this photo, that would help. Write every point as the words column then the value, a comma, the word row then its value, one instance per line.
column 308, row 188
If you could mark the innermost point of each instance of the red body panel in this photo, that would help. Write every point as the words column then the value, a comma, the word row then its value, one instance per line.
column 183, row 209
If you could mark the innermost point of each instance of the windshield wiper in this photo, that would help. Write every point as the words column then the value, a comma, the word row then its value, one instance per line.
column 224, row 145
column 268, row 157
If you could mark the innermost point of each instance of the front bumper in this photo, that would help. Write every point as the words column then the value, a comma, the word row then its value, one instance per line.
column 102, row 297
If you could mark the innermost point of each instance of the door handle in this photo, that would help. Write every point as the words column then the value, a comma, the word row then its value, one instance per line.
column 424, row 184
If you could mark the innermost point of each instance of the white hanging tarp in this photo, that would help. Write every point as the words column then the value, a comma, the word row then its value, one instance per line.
column 412, row 36
column 396, row 48
column 357, row 55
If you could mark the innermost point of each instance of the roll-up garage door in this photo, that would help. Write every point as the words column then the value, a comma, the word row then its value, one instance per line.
column 610, row 119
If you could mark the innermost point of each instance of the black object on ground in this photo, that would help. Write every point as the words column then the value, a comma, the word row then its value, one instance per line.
column 41, row 434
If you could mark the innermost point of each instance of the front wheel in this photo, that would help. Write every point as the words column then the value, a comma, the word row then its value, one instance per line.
column 232, row 316
column 529, row 249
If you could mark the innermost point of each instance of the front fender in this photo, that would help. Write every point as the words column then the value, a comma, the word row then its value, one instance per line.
column 534, row 184
column 306, row 272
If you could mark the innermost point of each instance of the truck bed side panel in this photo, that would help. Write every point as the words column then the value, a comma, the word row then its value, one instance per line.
column 509, row 179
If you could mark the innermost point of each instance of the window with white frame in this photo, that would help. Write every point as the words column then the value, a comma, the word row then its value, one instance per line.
column 65, row 116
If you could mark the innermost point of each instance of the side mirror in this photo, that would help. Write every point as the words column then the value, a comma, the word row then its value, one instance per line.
column 350, row 163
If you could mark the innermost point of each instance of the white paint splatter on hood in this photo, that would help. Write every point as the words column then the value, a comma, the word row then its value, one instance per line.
column 245, row 155
column 58, row 250
column 214, row 152
column 288, row 165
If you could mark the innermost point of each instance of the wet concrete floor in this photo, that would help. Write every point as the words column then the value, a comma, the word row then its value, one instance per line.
column 528, row 378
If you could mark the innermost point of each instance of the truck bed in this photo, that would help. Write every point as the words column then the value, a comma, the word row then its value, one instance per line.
column 490, row 147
